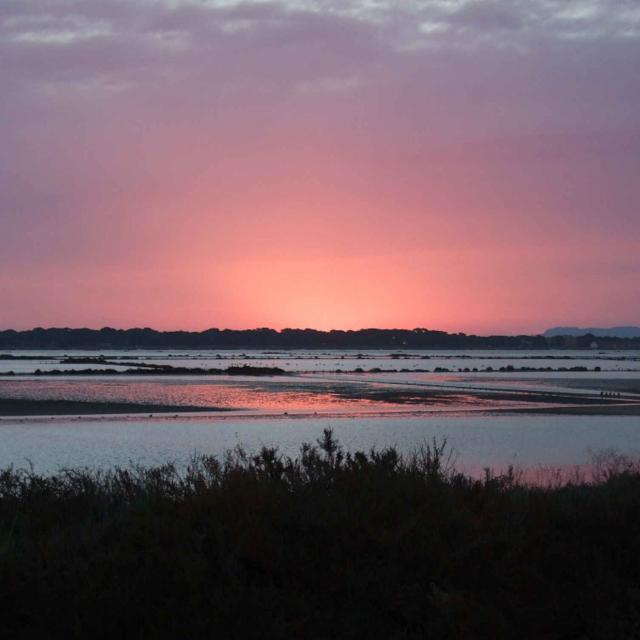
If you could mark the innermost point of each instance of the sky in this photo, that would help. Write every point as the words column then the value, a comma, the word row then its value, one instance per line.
column 464, row 165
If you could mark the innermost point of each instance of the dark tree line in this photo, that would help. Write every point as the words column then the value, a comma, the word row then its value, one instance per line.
column 108, row 338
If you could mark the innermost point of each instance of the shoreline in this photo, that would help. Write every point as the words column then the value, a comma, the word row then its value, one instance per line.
column 623, row 409
column 23, row 408
column 10, row 407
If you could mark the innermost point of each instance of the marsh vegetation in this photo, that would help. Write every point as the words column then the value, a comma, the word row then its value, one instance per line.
column 328, row 544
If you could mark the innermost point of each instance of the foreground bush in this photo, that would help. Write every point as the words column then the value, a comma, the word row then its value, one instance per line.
column 329, row 545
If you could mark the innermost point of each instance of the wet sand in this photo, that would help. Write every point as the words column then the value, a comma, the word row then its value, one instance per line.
column 622, row 409
column 296, row 394
column 552, row 404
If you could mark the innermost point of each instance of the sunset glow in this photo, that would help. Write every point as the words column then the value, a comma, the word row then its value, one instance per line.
column 466, row 166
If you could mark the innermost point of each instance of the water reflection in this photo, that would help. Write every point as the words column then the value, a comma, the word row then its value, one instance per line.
column 269, row 396
column 321, row 393
column 532, row 443
column 330, row 361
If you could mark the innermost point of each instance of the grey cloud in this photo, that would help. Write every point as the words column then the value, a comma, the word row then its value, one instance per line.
column 196, row 47
column 483, row 15
column 172, row 62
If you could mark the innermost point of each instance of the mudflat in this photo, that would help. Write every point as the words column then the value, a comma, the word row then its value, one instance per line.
column 26, row 407
column 619, row 409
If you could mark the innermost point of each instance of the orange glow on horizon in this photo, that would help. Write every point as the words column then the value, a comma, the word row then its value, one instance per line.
column 185, row 165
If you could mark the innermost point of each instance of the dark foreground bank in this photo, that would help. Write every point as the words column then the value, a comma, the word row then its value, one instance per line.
column 330, row 545
column 29, row 407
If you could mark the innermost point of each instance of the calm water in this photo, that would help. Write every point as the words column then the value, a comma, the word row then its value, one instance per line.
column 399, row 405
column 495, row 441
column 346, row 360
column 327, row 393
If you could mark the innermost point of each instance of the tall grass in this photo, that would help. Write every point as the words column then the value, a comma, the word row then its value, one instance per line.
column 329, row 544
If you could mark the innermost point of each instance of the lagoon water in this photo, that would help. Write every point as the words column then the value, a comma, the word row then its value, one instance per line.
column 528, row 442
column 325, row 361
column 406, row 403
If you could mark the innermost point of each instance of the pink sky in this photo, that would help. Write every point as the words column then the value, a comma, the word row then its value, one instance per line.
column 467, row 166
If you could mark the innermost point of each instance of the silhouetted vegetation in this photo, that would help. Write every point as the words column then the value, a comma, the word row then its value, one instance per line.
column 108, row 338
column 327, row 545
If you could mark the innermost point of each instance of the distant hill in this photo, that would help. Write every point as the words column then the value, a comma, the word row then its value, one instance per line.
column 611, row 332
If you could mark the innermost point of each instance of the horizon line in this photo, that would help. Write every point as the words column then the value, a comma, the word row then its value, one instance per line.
column 284, row 329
